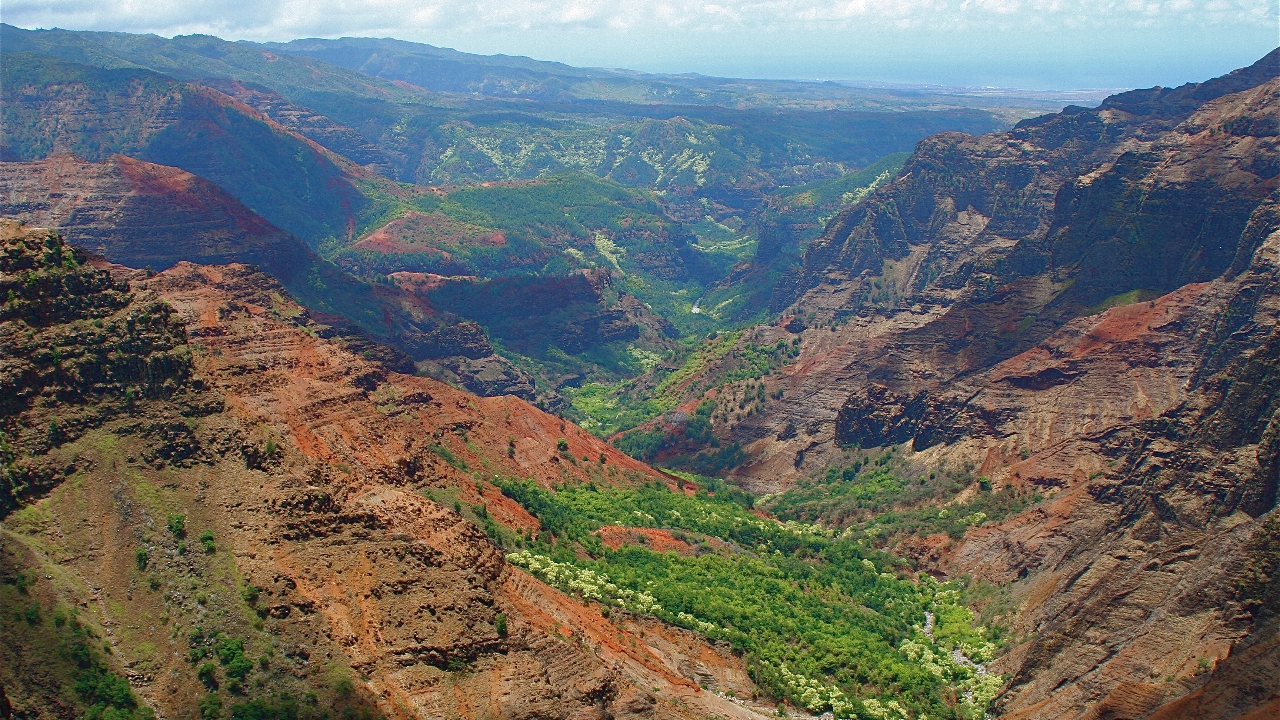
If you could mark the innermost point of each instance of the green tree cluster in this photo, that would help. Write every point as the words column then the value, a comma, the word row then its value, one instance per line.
column 825, row 621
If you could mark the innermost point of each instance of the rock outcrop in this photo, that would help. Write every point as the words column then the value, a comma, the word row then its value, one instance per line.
column 79, row 348
column 1084, row 307
column 140, row 214
column 337, row 505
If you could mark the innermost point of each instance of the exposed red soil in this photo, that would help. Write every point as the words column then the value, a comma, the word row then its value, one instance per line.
column 435, row 232
column 665, row 660
column 226, row 101
column 305, row 387
column 381, row 440
column 615, row 536
column 140, row 213
column 423, row 283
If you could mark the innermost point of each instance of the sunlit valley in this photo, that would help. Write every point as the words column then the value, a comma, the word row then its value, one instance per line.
column 362, row 378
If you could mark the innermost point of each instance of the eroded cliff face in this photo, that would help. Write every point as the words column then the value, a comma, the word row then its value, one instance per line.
column 1085, row 307
column 140, row 214
column 330, row 512
column 1161, row 470
column 990, row 264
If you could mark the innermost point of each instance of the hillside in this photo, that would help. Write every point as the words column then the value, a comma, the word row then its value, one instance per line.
column 140, row 214
column 1043, row 359
column 384, row 177
column 247, row 499
column 291, row 182
column 473, row 386
column 1124, row 204
column 450, row 71
column 145, row 215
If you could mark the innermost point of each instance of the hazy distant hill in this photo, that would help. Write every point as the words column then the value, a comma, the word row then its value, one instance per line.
column 446, row 70
column 324, row 150
column 53, row 106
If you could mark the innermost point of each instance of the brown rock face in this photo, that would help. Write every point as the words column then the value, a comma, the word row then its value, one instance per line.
column 1086, row 306
column 424, row 585
column 466, row 339
column 1009, row 238
column 306, row 122
column 311, row 471
column 144, row 215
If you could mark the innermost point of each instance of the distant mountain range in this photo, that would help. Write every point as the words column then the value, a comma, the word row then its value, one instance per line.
column 956, row 416
column 330, row 149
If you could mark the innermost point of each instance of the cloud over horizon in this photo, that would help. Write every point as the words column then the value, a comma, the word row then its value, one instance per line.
column 660, row 34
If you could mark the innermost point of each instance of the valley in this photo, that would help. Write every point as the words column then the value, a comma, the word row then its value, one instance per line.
column 367, row 379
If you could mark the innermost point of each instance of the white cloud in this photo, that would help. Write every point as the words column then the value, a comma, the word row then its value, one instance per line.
column 417, row 18
column 1023, row 43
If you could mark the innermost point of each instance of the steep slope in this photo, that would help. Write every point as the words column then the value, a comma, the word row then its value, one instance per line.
column 144, row 215
column 1161, row 454
column 255, row 532
column 1079, row 315
column 79, row 349
column 983, row 247
column 55, row 107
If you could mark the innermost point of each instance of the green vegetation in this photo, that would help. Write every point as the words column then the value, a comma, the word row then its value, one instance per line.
column 877, row 499
column 1125, row 298
column 277, row 175
column 447, row 455
column 230, row 652
column 847, row 189
column 527, row 240
column 687, row 443
column 606, row 409
column 537, row 220
column 826, row 622
column 201, row 608
column 714, row 361
column 206, row 542
column 66, row 649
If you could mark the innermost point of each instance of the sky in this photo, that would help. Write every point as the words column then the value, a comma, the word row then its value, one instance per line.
column 1031, row 44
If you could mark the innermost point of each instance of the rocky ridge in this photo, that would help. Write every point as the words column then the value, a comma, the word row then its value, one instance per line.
column 1084, row 308
column 140, row 214
column 901, row 317
column 311, row 471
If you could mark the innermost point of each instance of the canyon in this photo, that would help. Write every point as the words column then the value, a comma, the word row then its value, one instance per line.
column 1001, row 414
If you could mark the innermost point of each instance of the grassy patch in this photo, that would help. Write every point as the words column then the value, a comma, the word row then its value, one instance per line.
column 825, row 621
column 52, row 643
column 1126, row 298
column 447, row 455
column 878, row 498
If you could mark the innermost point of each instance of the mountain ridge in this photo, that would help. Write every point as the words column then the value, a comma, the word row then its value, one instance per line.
column 1012, row 420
